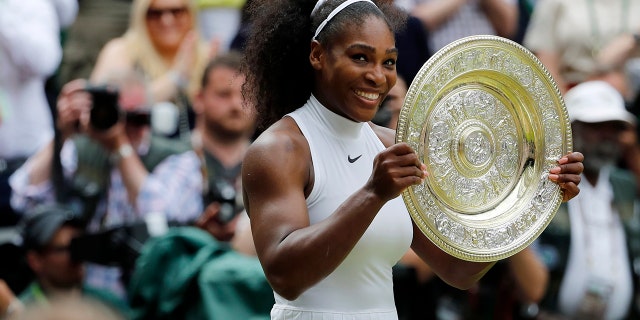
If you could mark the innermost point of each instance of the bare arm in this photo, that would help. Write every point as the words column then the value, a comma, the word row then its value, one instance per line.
column 434, row 13
column 503, row 16
column 276, row 174
column 530, row 274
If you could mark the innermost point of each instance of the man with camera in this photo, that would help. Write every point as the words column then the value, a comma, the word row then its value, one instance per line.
column 216, row 257
column 107, row 164
column 47, row 233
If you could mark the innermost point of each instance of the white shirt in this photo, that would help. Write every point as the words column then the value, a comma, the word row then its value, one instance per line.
column 598, row 249
column 362, row 286
column 30, row 51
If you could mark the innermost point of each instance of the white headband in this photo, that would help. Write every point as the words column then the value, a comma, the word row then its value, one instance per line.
column 333, row 13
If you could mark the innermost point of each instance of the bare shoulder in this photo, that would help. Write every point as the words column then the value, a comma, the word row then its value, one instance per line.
column 281, row 150
column 114, row 56
column 386, row 135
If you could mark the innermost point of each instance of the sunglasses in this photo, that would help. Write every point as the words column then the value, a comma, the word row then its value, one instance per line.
column 157, row 14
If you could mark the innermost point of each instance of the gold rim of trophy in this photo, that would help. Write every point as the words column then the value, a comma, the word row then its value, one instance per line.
column 489, row 122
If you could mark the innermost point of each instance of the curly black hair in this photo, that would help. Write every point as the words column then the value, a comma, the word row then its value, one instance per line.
column 279, row 74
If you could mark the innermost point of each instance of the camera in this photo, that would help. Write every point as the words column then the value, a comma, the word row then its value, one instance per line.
column 118, row 246
column 225, row 194
column 105, row 112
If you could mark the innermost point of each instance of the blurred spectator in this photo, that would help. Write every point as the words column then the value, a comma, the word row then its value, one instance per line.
column 413, row 46
column 47, row 235
column 163, row 43
column 97, row 22
column 30, row 52
column 220, row 20
column 238, row 41
column 450, row 20
column 224, row 129
column 115, row 173
column 592, row 245
column 509, row 291
column 390, row 108
column 192, row 272
column 585, row 40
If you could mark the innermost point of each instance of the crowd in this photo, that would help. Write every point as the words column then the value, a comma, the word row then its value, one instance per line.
column 178, row 159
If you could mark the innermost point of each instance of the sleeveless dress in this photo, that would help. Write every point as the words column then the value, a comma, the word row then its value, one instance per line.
column 362, row 286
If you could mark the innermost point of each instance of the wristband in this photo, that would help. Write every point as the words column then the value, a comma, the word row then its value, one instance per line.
column 124, row 151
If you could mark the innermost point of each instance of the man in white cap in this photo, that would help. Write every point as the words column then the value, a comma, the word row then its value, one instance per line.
column 592, row 243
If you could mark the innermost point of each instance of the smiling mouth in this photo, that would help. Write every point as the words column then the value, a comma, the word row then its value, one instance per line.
column 368, row 95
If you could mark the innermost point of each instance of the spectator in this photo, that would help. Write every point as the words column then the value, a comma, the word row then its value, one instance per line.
column 26, row 61
column 118, row 174
column 220, row 20
column 214, row 281
column 47, row 235
column 389, row 110
column 585, row 40
column 224, row 130
column 591, row 245
column 450, row 20
column 162, row 42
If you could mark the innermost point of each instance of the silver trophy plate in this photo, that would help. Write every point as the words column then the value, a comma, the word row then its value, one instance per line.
column 489, row 122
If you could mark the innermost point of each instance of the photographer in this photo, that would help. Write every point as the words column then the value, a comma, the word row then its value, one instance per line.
column 209, row 271
column 47, row 232
column 114, row 172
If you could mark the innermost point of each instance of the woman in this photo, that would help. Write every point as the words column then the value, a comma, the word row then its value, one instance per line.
column 162, row 42
column 322, row 183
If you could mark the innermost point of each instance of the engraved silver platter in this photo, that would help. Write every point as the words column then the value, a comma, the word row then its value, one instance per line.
column 489, row 122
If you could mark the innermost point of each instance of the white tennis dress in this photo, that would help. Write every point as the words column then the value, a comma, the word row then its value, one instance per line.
column 362, row 286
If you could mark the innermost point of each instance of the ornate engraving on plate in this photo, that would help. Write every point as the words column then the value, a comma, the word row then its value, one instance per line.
column 489, row 122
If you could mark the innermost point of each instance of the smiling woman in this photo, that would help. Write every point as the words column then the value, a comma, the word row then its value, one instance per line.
column 321, row 182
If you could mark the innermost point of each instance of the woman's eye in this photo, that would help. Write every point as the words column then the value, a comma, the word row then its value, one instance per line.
column 390, row 62
column 359, row 57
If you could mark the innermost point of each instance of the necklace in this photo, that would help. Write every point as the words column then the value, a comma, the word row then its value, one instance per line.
column 596, row 35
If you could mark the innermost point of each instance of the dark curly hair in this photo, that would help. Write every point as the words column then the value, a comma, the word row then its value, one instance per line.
column 279, row 74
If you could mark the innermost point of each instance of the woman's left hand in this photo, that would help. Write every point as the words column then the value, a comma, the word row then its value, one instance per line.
column 567, row 174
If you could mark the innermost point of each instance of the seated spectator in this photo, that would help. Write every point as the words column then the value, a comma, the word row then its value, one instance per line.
column 26, row 61
column 47, row 235
column 450, row 20
column 209, row 270
column 579, row 41
column 221, row 20
column 114, row 173
column 162, row 42
column 591, row 245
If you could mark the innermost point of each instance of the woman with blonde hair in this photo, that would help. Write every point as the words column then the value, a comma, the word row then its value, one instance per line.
column 163, row 43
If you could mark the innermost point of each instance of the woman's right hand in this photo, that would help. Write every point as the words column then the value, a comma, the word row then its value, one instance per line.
column 395, row 169
column 73, row 104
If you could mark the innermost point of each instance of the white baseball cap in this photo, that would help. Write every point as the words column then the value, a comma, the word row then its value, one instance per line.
column 596, row 101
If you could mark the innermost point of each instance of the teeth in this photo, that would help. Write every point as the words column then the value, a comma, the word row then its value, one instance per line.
column 370, row 96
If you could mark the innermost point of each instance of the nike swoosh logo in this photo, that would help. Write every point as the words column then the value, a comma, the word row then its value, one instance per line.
column 352, row 160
